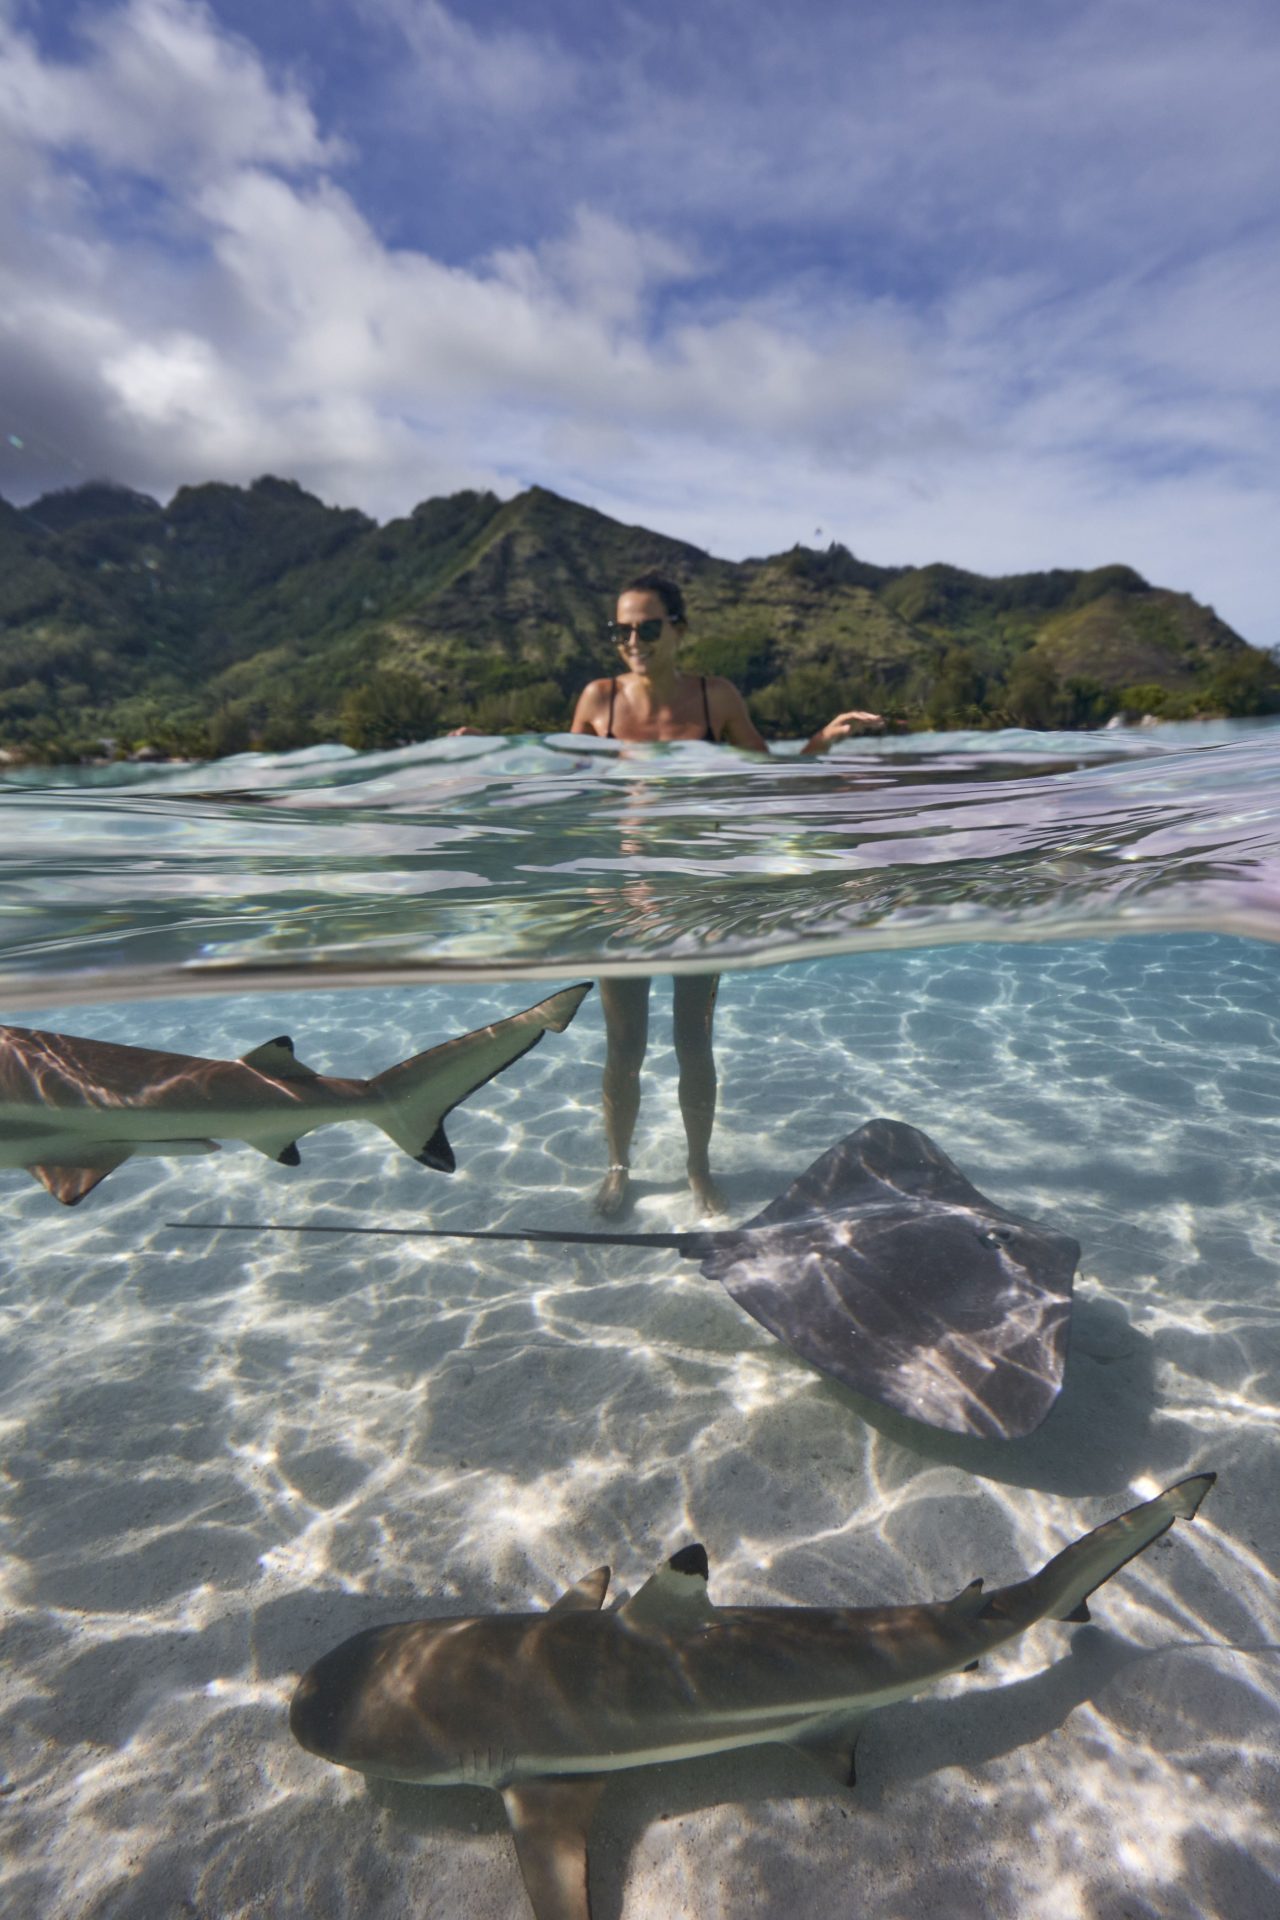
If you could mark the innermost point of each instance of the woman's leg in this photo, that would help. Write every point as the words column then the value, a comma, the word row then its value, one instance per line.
column 626, row 1026
column 695, row 1010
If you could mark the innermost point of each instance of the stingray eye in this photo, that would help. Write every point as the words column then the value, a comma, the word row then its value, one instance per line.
column 996, row 1236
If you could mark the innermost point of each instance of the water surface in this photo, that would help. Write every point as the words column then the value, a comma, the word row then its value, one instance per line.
column 222, row 1453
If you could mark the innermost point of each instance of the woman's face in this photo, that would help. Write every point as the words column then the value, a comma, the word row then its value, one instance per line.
column 641, row 655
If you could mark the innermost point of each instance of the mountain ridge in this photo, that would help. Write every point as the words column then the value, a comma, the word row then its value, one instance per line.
column 257, row 616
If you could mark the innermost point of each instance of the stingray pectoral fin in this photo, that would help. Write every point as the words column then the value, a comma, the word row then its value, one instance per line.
column 585, row 1595
column 549, row 1820
column 70, row 1183
column 413, row 1100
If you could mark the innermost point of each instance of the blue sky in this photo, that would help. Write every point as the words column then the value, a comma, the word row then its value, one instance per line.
column 985, row 282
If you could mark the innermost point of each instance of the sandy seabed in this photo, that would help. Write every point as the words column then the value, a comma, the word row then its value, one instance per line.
column 224, row 1453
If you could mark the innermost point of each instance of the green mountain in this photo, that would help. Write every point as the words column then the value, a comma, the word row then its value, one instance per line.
column 238, row 617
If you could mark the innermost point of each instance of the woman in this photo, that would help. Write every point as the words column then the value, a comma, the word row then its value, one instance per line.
column 655, row 699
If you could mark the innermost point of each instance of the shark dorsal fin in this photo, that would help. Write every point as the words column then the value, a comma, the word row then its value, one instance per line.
column 549, row 1820
column 676, row 1595
column 277, row 1059
column 585, row 1595
column 969, row 1602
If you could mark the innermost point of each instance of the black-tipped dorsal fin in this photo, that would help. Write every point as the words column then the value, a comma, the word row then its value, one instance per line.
column 676, row 1595
column 585, row 1595
column 278, row 1061
column 549, row 1821
column 969, row 1602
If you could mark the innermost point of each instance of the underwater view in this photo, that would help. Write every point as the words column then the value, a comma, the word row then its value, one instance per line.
column 258, row 1400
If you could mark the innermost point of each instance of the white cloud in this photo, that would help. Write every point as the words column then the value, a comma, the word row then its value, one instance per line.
column 1098, row 128
column 161, row 87
column 1017, row 417
column 508, row 72
column 599, row 266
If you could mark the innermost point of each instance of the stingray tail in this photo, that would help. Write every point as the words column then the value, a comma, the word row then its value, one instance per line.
column 412, row 1100
column 1061, row 1589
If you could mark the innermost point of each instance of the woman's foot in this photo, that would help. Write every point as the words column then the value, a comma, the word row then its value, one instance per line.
column 707, row 1194
column 614, row 1196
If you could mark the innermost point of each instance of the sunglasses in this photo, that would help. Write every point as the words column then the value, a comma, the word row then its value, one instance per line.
column 646, row 631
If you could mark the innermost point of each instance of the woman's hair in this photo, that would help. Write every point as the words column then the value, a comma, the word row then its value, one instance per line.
column 667, row 591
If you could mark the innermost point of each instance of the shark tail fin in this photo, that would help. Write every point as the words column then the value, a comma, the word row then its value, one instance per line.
column 1062, row 1588
column 415, row 1097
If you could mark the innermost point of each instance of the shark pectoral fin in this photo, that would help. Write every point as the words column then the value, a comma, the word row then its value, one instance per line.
column 277, row 1059
column 69, row 1183
column 549, row 1821
column 834, row 1752
column 676, row 1595
column 585, row 1595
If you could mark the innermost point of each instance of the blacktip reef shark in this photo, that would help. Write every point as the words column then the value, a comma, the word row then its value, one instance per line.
column 882, row 1266
column 543, row 1706
column 72, row 1110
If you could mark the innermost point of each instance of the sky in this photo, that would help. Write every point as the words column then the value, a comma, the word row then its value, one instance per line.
column 966, row 280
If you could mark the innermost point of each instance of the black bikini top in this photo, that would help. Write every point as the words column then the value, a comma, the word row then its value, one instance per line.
column 710, row 733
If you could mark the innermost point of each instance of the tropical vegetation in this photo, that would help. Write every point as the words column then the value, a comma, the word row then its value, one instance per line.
column 259, row 617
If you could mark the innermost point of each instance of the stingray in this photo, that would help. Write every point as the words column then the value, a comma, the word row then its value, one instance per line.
column 883, row 1267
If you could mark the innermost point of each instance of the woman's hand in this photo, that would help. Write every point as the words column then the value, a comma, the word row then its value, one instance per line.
column 844, row 724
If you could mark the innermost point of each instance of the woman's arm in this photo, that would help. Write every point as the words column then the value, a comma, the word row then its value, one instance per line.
column 854, row 721
column 589, row 714
column 734, row 724
column 730, row 718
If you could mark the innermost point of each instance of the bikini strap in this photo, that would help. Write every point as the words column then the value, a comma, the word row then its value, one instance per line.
column 613, row 694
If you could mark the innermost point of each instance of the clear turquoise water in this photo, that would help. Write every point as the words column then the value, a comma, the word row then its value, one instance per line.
column 221, row 1454
column 495, row 859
